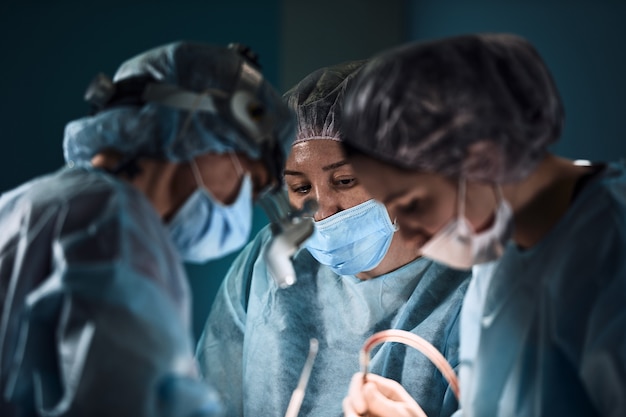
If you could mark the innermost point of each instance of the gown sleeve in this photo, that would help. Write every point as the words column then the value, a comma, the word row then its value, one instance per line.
column 105, row 330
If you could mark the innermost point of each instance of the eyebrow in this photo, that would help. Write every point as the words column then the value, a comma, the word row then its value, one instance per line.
column 334, row 165
column 393, row 196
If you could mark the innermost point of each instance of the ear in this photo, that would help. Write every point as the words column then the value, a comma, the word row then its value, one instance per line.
column 484, row 161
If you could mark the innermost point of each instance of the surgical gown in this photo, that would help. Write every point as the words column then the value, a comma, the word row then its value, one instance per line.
column 257, row 336
column 95, row 304
column 543, row 331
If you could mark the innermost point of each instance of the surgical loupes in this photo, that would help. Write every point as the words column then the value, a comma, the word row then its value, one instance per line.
column 290, row 227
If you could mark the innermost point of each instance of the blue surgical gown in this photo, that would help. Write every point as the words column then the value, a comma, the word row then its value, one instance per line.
column 543, row 331
column 257, row 336
column 95, row 304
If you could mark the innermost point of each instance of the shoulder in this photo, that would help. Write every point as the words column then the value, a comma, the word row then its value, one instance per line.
column 89, row 190
column 66, row 197
column 597, row 222
column 85, row 205
column 236, row 285
column 606, row 195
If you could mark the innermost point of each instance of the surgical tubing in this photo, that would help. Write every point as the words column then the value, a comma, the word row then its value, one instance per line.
column 415, row 341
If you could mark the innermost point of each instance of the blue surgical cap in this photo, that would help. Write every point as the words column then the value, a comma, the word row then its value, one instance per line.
column 318, row 101
column 423, row 106
column 223, row 76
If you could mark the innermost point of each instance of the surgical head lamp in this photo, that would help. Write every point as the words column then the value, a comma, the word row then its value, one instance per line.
column 243, row 110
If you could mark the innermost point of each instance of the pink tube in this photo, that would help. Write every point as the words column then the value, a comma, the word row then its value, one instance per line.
column 413, row 340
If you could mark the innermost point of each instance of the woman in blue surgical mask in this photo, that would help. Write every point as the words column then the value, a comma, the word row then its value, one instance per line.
column 356, row 275
column 453, row 135
column 95, row 316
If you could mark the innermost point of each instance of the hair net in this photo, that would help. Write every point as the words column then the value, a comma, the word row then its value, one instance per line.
column 423, row 106
column 317, row 101
column 154, row 129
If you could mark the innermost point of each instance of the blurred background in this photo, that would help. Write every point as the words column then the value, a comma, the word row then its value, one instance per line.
column 52, row 49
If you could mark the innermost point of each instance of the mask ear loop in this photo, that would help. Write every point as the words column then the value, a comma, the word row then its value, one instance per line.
column 198, row 177
column 460, row 216
column 240, row 171
column 196, row 173
column 185, row 128
column 460, row 204
column 499, row 195
column 237, row 163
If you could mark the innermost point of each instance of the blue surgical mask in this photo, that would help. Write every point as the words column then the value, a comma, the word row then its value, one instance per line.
column 353, row 240
column 204, row 229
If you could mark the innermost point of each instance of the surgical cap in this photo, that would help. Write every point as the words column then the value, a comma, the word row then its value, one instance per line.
column 425, row 106
column 153, row 129
column 318, row 101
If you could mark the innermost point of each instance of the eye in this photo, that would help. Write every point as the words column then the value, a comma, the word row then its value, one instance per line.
column 300, row 188
column 346, row 182
column 412, row 207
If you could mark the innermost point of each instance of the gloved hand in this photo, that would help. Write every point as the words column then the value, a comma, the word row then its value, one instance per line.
column 379, row 397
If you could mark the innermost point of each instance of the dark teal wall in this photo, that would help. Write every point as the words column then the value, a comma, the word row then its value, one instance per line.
column 51, row 50
column 325, row 32
column 583, row 42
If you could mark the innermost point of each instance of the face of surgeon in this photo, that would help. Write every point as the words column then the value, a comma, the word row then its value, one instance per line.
column 222, row 176
column 317, row 169
column 423, row 203
column 168, row 184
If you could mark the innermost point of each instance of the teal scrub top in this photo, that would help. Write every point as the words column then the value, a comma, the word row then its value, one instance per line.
column 257, row 336
column 543, row 331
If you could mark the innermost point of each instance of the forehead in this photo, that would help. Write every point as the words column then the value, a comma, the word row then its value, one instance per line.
column 387, row 183
column 314, row 153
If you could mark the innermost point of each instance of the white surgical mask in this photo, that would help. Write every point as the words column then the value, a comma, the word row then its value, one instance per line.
column 353, row 240
column 458, row 246
column 204, row 229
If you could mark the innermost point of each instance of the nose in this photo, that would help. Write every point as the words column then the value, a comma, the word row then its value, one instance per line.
column 327, row 204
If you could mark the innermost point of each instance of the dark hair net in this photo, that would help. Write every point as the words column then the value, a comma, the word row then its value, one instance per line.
column 424, row 105
column 156, row 130
column 318, row 101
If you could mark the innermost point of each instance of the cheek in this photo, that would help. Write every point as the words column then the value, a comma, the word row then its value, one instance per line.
column 413, row 233
column 423, row 225
column 372, row 186
column 437, row 219
column 354, row 196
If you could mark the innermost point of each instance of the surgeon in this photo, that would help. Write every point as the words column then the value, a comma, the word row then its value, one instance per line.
column 95, row 302
column 452, row 135
column 355, row 276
